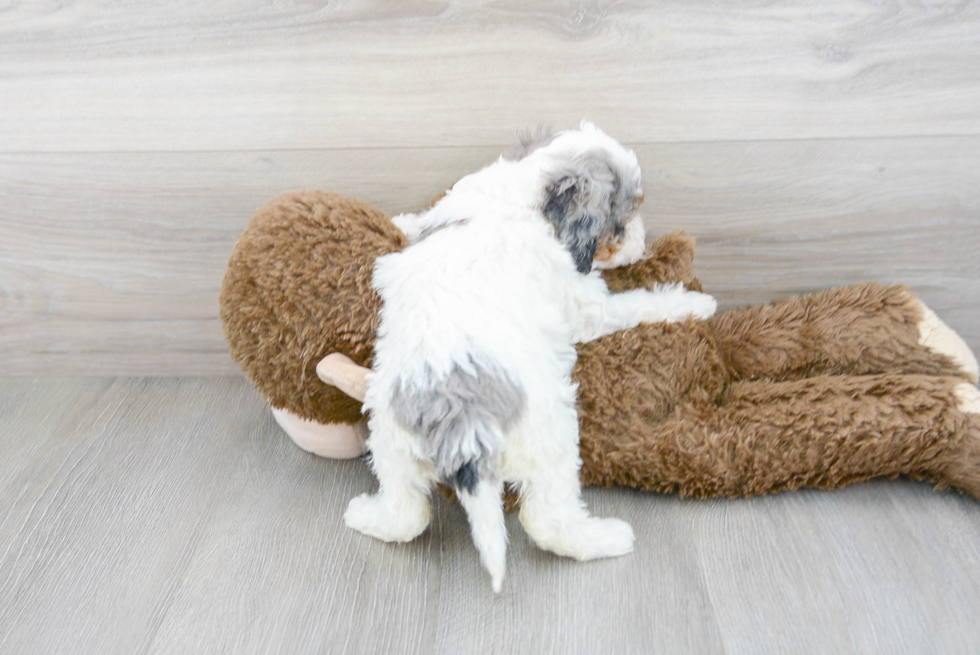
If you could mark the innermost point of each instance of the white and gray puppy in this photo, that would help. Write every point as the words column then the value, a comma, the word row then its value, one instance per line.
column 471, row 381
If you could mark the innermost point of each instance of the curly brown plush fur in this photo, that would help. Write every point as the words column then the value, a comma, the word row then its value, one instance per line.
column 699, row 427
column 820, row 390
column 298, row 286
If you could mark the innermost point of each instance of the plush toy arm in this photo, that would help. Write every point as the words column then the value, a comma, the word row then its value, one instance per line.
column 666, row 260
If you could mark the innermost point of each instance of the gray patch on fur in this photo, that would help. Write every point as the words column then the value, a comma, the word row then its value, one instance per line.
column 461, row 420
column 429, row 231
column 531, row 141
column 466, row 477
column 581, row 238
column 586, row 202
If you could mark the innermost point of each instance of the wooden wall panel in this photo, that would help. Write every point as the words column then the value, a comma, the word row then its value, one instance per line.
column 224, row 75
column 806, row 144
column 111, row 262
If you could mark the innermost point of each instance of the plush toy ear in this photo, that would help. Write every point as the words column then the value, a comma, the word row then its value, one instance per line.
column 341, row 371
column 579, row 204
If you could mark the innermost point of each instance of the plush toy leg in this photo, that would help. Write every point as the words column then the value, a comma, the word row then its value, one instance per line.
column 821, row 432
column 858, row 330
column 940, row 338
column 963, row 471
column 334, row 440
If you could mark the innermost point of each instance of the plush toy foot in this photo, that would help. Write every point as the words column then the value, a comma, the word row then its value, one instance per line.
column 585, row 539
column 963, row 471
column 333, row 440
column 387, row 521
column 341, row 371
column 940, row 338
column 968, row 398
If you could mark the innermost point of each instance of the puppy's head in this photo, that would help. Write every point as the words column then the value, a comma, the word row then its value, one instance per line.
column 591, row 190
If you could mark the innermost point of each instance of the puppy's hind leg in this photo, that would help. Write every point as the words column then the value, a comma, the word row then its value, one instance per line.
column 485, row 510
column 546, row 467
column 400, row 510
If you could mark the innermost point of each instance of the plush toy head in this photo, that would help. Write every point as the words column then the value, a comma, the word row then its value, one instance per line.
column 298, row 287
column 821, row 390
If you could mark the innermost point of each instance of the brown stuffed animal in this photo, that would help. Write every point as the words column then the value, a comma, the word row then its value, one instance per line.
column 819, row 391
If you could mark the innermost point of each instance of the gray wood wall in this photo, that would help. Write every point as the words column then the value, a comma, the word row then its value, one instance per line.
column 807, row 144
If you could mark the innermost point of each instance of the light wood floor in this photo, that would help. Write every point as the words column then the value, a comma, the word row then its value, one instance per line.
column 171, row 515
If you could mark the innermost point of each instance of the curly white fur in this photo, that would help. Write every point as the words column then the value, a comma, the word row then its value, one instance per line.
column 471, row 381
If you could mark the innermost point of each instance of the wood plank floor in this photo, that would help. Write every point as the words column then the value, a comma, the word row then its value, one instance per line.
column 170, row 515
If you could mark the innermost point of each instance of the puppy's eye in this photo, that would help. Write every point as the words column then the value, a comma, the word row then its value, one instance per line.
column 619, row 230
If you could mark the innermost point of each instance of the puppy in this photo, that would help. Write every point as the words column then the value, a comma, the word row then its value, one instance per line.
column 471, row 381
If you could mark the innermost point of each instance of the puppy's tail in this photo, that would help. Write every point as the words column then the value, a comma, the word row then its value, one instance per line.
column 485, row 511
column 461, row 418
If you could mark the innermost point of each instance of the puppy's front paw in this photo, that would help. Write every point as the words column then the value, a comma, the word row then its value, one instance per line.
column 675, row 303
column 371, row 515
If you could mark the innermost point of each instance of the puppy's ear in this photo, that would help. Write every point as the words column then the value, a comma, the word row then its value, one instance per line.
column 581, row 238
column 579, row 204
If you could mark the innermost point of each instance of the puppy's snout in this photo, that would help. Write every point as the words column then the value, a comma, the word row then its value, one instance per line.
column 624, row 248
column 606, row 253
